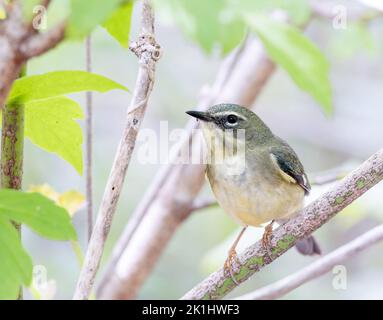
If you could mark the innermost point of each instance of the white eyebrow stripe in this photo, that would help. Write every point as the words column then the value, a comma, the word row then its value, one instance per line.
column 227, row 113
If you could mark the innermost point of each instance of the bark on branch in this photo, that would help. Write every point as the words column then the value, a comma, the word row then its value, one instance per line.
column 148, row 52
column 317, row 268
column 18, row 43
column 218, row 284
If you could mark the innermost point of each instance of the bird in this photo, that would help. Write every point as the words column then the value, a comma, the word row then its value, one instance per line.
column 255, row 176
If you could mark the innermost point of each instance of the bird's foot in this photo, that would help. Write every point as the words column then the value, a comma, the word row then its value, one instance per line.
column 266, row 238
column 228, row 266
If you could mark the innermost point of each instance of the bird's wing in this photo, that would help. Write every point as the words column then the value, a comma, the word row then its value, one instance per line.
column 290, row 167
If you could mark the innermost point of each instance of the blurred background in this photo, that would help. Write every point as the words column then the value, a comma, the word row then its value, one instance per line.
column 348, row 137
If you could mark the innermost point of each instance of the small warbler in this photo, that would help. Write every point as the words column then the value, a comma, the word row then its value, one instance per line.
column 255, row 176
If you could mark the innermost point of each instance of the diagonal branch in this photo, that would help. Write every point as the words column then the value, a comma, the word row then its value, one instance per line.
column 317, row 268
column 148, row 52
column 219, row 284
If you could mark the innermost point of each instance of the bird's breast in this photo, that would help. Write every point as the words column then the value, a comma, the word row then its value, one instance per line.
column 250, row 197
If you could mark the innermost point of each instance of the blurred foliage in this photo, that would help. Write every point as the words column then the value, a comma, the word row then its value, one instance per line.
column 86, row 15
column 71, row 200
column 355, row 38
column 118, row 24
column 41, row 215
column 224, row 23
column 16, row 266
column 302, row 60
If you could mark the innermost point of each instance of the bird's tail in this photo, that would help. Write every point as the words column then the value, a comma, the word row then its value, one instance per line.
column 308, row 246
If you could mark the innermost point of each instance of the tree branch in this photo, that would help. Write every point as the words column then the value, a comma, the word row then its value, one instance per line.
column 148, row 52
column 18, row 43
column 170, row 200
column 317, row 268
column 12, row 151
column 311, row 218
column 40, row 43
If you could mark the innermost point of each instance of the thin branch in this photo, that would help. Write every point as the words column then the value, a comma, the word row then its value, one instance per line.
column 312, row 217
column 317, row 268
column 148, row 52
column 329, row 176
column 200, row 204
column 89, row 142
column 171, row 198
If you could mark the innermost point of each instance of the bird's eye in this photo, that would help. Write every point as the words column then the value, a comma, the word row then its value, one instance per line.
column 231, row 119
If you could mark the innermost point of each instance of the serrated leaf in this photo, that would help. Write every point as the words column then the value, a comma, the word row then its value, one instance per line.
column 302, row 60
column 86, row 15
column 71, row 200
column 51, row 125
column 57, row 83
column 39, row 213
column 118, row 24
column 16, row 265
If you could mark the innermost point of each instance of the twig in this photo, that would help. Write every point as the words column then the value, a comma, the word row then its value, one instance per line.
column 329, row 176
column 148, row 52
column 311, row 218
column 317, row 268
column 200, row 204
column 170, row 201
column 89, row 142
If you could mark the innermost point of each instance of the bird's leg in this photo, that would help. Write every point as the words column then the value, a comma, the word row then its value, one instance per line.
column 233, row 256
column 266, row 238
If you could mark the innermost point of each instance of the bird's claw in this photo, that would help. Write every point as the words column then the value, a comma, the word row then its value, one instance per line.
column 266, row 239
column 228, row 266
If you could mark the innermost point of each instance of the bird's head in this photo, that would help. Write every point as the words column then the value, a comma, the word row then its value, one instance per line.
column 242, row 123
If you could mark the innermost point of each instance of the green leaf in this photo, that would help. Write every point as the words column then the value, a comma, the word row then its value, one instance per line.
column 51, row 125
column 209, row 23
column 302, row 60
column 16, row 265
column 56, row 83
column 118, row 24
column 38, row 212
column 86, row 15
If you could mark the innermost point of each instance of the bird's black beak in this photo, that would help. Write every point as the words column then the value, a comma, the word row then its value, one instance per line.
column 204, row 116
